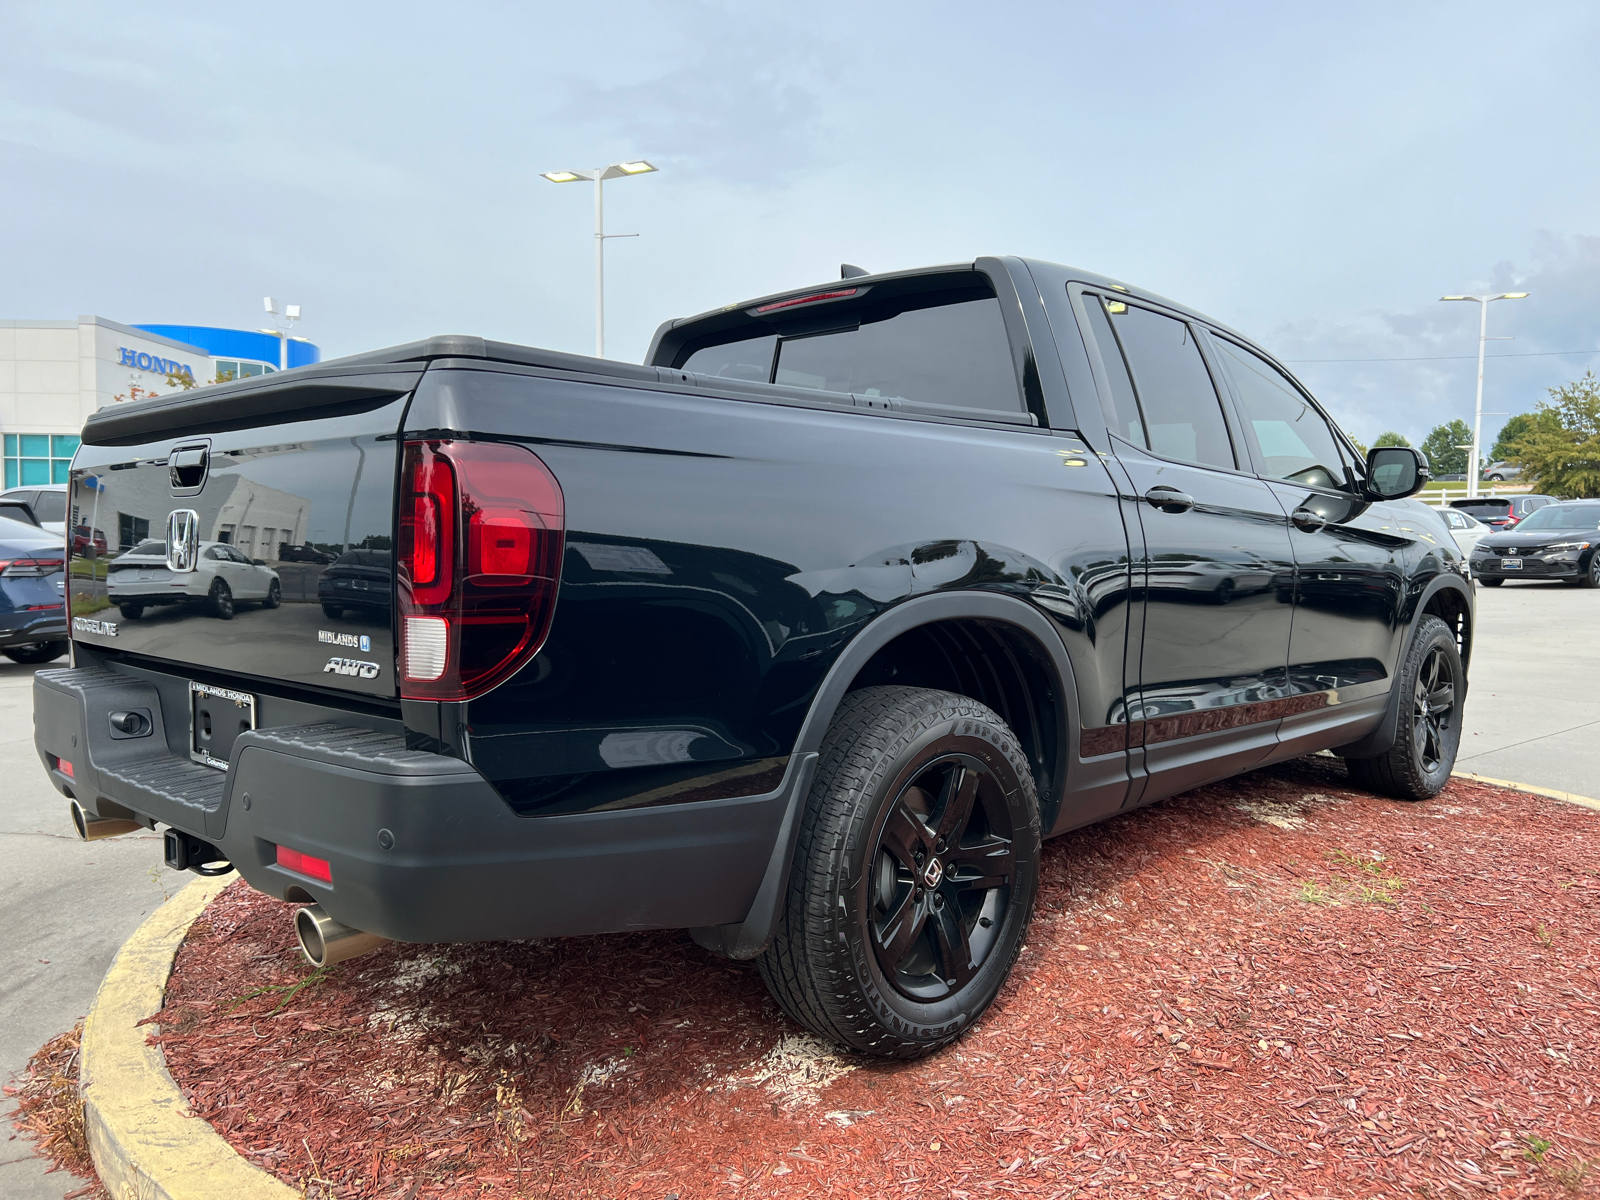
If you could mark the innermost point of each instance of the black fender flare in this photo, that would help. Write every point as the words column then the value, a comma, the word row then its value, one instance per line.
column 1381, row 739
column 750, row 937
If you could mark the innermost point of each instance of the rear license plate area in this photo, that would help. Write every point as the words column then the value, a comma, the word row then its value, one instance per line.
column 1511, row 564
column 217, row 716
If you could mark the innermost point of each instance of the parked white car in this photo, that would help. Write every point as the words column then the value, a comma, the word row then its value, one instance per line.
column 1467, row 530
column 48, row 502
column 140, row 579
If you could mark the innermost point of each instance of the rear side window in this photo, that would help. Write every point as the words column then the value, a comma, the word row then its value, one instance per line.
column 1181, row 413
column 1129, row 424
column 952, row 354
column 51, row 506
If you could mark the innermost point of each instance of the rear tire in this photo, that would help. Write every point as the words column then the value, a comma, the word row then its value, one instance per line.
column 1432, row 686
column 38, row 652
column 221, row 598
column 333, row 612
column 131, row 611
column 915, row 874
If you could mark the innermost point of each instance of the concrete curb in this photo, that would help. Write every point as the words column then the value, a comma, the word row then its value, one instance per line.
column 1569, row 797
column 145, row 1143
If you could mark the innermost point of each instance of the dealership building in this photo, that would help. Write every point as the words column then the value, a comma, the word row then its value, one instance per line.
column 53, row 374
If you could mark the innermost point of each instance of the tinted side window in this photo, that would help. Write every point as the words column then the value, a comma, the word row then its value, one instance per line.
column 51, row 506
column 1129, row 424
column 749, row 360
column 1182, row 415
column 1293, row 439
column 954, row 354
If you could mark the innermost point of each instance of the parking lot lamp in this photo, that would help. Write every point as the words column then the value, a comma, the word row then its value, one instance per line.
column 291, row 314
column 598, row 176
column 1474, row 467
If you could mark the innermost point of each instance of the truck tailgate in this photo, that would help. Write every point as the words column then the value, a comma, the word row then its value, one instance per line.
column 290, row 525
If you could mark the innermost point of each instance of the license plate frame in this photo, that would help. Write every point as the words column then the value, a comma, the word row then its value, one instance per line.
column 1511, row 564
column 217, row 716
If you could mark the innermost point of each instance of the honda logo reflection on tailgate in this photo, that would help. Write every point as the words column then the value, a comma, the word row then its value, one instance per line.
column 352, row 666
column 183, row 540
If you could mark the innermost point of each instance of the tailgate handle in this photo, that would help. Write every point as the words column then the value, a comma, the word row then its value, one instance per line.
column 186, row 466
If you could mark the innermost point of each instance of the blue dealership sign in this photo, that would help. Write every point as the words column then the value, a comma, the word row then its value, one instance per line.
column 139, row 360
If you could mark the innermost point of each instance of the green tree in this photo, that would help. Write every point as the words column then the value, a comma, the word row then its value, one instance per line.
column 1560, row 452
column 1391, row 438
column 1442, row 448
column 1509, row 433
column 1361, row 446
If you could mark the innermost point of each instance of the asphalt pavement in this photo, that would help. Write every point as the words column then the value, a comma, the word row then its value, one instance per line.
column 1533, row 717
column 1533, row 713
column 65, row 907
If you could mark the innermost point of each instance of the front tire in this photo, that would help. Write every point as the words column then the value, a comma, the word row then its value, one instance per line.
column 221, row 599
column 915, row 875
column 38, row 652
column 1432, row 687
column 1591, row 577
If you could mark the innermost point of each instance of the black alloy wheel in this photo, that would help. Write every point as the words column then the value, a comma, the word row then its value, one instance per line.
column 1433, row 706
column 914, row 877
column 1430, row 689
column 222, row 600
column 941, row 877
column 274, row 596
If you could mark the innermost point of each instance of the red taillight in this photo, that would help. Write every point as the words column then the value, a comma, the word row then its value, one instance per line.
column 305, row 864
column 481, row 531
column 65, row 768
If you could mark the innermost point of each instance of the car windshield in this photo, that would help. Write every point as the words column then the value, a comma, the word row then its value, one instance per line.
column 1563, row 516
column 159, row 549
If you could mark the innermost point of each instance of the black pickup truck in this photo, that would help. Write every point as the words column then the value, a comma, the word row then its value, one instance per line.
column 799, row 636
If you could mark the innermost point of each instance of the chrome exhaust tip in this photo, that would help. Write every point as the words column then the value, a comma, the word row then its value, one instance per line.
column 92, row 829
column 324, row 941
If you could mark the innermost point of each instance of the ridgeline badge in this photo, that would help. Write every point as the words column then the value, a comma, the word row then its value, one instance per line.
column 90, row 625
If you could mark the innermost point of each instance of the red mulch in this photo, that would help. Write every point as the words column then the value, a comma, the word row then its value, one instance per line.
column 1273, row 985
column 49, row 1112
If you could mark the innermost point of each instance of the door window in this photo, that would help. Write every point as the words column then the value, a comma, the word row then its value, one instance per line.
column 1182, row 417
column 1293, row 440
column 1128, row 424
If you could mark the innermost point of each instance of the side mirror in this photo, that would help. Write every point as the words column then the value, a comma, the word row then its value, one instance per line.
column 1395, row 472
column 258, row 562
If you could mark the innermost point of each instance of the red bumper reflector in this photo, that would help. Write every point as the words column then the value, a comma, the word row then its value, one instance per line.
column 65, row 767
column 305, row 864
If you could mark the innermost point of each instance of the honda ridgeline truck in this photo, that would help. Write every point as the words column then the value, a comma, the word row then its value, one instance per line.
column 800, row 636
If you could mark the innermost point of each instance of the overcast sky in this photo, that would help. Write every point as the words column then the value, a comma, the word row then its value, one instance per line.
column 1314, row 175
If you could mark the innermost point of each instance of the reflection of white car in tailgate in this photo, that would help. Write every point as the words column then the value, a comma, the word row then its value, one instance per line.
column 140, row 579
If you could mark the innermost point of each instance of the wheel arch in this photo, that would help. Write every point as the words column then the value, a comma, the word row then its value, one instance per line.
column 1017, row 662
column 1449, row 598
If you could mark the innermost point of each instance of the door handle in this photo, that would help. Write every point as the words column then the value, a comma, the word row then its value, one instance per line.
column 1307, row 520
column 1169, row 499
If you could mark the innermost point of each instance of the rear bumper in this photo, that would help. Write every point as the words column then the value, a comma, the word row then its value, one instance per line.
column 27, row 628
column 422, row 848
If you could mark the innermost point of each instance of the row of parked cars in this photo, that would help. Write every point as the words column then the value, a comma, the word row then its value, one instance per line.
column 1528, row 537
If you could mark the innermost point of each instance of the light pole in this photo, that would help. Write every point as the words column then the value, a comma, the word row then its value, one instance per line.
column 291, row 314
column 599, row 175
column 1474, row 467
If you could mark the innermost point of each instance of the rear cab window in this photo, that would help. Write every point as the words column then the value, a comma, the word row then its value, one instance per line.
column 926, row 345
